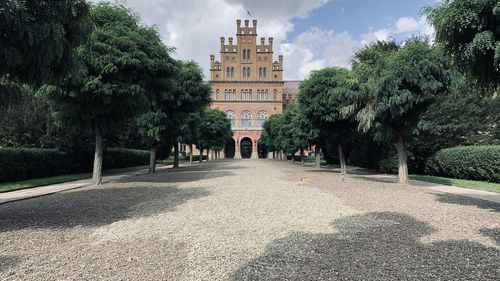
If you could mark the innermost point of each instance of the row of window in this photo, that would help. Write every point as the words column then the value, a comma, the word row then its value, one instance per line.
column 246, row 54
column 246, row 72
column 246, row 95
column 246, row 118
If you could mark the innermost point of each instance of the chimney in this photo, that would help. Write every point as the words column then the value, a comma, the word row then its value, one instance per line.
column 222, row 42
column 246, row 23
column 230, row 41
column 271, row 44
column 262, row 40
column 280, row 58
column 254, row 24
column 212, row 59
column 238, row 24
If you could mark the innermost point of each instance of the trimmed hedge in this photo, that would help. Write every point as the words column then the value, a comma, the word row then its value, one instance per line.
column 467, row 162
column 31, row 163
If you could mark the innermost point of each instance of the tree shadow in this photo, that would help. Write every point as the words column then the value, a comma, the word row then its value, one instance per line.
column 467, row 201
column 94, row 206
column 7, row 262
column 493, row 233
column 374, row 246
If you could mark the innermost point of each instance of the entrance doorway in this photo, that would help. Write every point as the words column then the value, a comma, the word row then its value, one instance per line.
column 246, row 148
column 229, row 148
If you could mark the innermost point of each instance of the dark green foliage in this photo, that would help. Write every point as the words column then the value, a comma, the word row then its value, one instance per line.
column 196, row 158
column 28, row 163
column 270, row 133
column 467, row 162
column 121, row 158
column 38, row 39
column 215, row 129
column 469, row 31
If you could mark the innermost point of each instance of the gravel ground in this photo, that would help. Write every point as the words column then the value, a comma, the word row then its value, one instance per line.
column 249, row 220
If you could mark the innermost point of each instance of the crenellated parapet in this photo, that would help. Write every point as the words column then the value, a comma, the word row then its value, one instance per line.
column 246, row 29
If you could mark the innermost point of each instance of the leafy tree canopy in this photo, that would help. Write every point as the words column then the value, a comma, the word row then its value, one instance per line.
column 469, row 31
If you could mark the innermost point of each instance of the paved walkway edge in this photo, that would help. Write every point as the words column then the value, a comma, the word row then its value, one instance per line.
column 27, row 193
column 462, row 191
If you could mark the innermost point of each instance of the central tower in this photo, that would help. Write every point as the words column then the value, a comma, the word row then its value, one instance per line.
column 248, row 86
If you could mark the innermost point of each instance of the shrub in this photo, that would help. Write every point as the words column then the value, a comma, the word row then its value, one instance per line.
column 467, row 162
column 29, row 163
column 197, row 157
column 121, row 158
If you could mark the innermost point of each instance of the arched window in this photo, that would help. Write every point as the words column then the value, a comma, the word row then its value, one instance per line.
column 244, row 72
column 217, row 93
column 264, row 72
column 226, row 94
column 260, row 71
column 261, row 118
column 248, row 54
column 233, row 95
column 246, row 95
column 228, row 72
column 249, row 94
column 275, row 94
column 262, row 95
column 244, row 54
column 232, row 71
column 246, row 119
column 231, row 115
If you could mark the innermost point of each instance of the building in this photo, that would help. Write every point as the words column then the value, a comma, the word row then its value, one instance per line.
column 247, row 84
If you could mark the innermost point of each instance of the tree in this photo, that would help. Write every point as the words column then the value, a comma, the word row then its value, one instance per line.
column 38, row 41
column 468, row 31
column 398, row 85
column 190, row 132
column 295, row 132
column 151, row 125
column 215, row 129
column 270, row 133
column 106, row 91
column 322, row 97
column 189, row 94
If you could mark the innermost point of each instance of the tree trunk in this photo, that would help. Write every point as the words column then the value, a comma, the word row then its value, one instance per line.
column 402, row 160
column 293, row 158
column 176, row 155
column 274, row 154
column 208, row 154
column 343, row 164
column 317, row 155
column 97, row 172
column 191, row 154
column 302, row 155
column 201, row 155
column 152, row 159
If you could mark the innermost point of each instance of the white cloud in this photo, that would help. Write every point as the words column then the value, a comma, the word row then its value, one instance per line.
column 194, row 27
column 405, row 26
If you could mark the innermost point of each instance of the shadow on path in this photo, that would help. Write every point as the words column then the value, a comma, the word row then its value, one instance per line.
column 467, row 201
column 374, row 246
column 7, row 262
column 92, row 206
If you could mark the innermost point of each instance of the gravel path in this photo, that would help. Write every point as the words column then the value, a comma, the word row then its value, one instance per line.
column 249, row 220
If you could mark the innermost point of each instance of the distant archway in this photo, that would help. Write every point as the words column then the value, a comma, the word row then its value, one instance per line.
column 246, row 147
column 230, row 148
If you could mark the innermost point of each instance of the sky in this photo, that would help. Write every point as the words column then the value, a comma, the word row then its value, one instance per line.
column 311, row 34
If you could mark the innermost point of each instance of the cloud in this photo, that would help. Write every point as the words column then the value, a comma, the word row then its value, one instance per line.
column 403, row 27
column 194, row 27
column 317, row 48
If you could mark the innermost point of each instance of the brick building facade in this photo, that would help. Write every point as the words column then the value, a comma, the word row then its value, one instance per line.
column 247, row 84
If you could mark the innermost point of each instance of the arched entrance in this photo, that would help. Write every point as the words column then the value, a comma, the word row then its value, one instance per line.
column 262, row 150
column 229, row 148
column 246, row 147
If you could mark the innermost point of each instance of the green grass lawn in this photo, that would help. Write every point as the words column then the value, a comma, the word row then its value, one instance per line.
column 459, row 182
column 9, row 186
